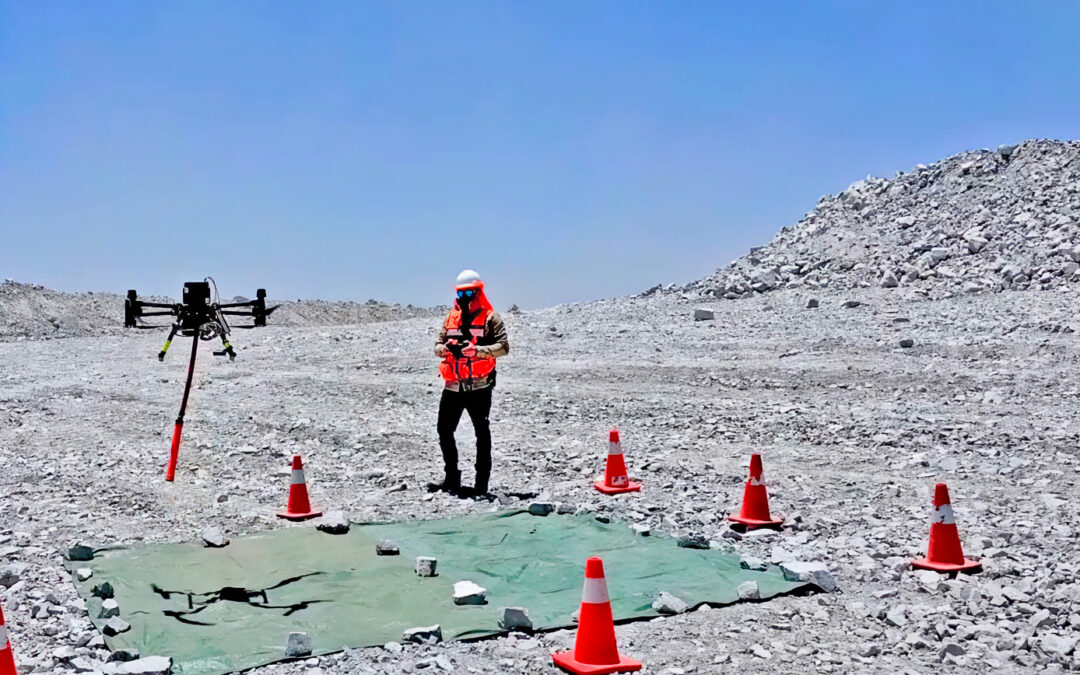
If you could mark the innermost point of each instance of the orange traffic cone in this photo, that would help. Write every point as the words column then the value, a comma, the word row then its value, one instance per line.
column 299, row 507
column 7, row 657
column 944, row 554
column 755, row 504
column 595, row 651
column 615, row 479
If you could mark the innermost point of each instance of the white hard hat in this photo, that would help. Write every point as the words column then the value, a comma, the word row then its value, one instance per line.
column 468, row 278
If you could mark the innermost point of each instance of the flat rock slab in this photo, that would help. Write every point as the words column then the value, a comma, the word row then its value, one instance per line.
column 666, row 603
column 334, row 522
column 151, row 665
column 468, row 593
column 115, row 626
column 423, row 635
column 515, row 618
column 814, row 572
column 213, row 537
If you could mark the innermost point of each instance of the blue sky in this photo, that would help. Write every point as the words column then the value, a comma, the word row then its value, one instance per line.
column 566, row 150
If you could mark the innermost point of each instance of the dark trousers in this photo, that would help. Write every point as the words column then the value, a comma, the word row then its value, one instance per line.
column 478, row 404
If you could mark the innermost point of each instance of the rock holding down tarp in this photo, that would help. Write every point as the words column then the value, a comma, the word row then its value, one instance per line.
column 423, row 635
column 515, row 618
column 814, row 572
column 468, row 593
column 151, row 665
column 425, row 566
column 297, row 644
column 335, row 522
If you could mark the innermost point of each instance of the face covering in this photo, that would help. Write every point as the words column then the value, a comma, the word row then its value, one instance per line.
column 468, row 312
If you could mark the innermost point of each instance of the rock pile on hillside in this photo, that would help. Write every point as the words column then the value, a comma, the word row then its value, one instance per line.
column 30, row 311
column 978, row 221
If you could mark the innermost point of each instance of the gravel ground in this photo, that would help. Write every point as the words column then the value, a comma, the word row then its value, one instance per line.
column 854, row 429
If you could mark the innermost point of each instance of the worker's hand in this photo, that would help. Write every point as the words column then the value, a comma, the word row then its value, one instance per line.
column 469, row 351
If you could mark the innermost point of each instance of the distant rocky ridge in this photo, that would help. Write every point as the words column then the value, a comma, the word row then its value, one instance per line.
column 980, row 221
column 29, row 311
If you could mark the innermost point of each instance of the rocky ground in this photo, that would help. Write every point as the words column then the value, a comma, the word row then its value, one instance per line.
column 855, row 431
column 907, row 331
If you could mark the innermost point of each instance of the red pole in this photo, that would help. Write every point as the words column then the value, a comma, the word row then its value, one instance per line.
column 7, row 657
column 174, row 452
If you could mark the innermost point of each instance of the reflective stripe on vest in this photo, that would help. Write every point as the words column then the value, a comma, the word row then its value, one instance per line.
column 475, row 331
column 943, row 514
column 297, row 477
column 595, row 592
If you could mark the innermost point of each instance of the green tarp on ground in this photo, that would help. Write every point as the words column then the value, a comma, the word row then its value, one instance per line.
column 222, row 610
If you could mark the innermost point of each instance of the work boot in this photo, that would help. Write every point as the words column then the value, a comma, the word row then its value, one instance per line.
column 451, row 483
column 481, row 488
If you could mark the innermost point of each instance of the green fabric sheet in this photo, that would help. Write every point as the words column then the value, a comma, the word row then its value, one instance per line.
column 223, row 610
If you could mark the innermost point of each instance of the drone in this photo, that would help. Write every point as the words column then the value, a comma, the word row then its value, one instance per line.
column 200, row 319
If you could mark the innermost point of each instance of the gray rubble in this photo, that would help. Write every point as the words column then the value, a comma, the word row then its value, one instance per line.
column 854, row 430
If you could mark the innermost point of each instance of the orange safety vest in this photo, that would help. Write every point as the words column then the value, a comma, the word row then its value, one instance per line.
column 454, row 369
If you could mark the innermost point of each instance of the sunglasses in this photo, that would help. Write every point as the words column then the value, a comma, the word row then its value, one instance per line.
column 466, row 295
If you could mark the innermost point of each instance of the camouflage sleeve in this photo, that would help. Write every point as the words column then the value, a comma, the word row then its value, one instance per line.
column 440, row 342
column 497, row 330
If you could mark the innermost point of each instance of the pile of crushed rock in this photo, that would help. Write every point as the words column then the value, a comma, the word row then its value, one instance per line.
column 980, row 221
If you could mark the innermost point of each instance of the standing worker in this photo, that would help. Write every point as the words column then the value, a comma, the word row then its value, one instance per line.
column 472, row 337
